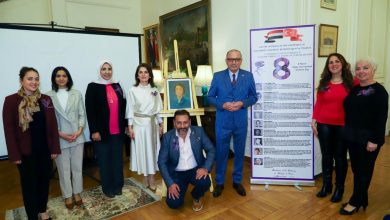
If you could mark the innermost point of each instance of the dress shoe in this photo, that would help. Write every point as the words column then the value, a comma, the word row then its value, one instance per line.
column 218, row 190
column 345, row 212
column 239, row 189
column 77, row 200
column 338, row 194
column 109, row 196
column 197, row 205
column 69, row 203
column 44, row 216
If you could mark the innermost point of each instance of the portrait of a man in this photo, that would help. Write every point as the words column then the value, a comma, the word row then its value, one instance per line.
column 179, row 94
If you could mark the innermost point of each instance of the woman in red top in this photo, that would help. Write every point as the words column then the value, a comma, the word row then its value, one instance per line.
column 328, row 122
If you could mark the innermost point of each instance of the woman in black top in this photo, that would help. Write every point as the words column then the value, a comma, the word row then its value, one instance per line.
column 105, row 106
column 365, row 124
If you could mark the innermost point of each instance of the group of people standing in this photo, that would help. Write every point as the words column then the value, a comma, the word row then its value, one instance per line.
column 350, row 114
column 41, row 127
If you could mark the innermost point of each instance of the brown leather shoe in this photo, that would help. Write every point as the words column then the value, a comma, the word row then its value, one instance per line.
column 197, row 205
column 78, row 200
column 69, row 203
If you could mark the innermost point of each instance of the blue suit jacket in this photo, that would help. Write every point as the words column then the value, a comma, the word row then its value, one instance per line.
column 169, row 154
column 222, row 91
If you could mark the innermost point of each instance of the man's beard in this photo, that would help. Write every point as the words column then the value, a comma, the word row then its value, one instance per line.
column 182, row 130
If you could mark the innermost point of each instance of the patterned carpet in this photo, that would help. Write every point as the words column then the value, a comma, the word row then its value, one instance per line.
column 96, row 205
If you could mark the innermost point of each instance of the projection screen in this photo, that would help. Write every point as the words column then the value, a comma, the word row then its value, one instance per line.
column 79, row 51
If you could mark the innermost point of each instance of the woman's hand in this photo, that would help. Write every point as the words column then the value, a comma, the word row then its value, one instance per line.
column 96, row 136
column 314, row 127
column 53, row 156
column 131, row 133
column 371, row 147
column 161, row 129
column 17, row 162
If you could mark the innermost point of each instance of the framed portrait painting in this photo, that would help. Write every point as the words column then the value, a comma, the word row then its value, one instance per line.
column 179, row 94
column 327, row 42
column 329, row 4
column 152, row 45
column 190, row 26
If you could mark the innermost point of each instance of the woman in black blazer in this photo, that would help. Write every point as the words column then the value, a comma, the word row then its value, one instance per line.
column 105, row 106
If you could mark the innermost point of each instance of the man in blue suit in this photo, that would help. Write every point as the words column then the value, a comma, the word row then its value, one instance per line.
column 232, row 91
column 181, row 161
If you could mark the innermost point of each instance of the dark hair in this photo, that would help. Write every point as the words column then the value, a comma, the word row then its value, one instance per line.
column 54, row 85
column 24, row 70
column 150, row 71
column 346, row 73
column 181, row 112
column 182, row 86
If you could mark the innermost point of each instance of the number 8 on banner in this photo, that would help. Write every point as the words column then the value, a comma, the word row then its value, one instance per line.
column 281, row 70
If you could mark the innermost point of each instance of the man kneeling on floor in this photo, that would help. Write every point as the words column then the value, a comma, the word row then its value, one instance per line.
column 181, row 161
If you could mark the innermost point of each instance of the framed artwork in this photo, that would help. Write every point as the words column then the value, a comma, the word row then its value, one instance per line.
column 190, row 26
column 152, row 46
column 179, row 94
column 327, row 42
column 329, row 4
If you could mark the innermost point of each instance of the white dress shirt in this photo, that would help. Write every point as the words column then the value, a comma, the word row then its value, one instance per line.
column 186, row 159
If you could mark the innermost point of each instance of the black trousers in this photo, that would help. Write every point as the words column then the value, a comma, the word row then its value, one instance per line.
column 362, row 163
column 333, row 148
column 35, row 173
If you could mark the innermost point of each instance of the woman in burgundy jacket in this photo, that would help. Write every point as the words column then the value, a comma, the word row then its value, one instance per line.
column 31, row 135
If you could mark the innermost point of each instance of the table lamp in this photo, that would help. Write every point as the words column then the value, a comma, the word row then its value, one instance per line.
column 204, row 75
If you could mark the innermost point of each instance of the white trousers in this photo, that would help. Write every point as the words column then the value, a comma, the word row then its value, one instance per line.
column 70, row 170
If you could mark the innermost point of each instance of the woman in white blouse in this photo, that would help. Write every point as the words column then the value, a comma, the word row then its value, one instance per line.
column 70, row 113
column 143, row 105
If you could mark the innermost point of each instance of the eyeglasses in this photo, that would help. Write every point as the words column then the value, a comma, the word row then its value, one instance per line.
column 233, row 59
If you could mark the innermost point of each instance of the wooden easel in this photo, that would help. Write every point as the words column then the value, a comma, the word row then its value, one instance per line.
column 196, row 111
column 165, row 114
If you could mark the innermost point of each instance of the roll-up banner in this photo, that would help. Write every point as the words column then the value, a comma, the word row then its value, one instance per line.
column 282, row 63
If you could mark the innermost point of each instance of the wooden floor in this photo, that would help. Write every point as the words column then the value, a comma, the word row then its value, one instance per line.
column 279, row 202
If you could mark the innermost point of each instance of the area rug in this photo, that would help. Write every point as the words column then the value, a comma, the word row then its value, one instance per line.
column 96, row 205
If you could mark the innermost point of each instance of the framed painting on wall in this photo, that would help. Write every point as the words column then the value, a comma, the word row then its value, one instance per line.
column 179, row 94
column 190, row 26
column 152, row 53
column 327, row 42
column 329, row 4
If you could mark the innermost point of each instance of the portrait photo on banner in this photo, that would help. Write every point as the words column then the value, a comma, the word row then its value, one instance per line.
column 179, row 94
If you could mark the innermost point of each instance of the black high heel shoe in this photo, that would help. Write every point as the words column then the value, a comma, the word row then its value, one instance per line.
column 345, row 212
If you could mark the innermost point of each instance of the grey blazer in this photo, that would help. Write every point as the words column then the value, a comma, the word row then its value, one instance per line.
column 70, row 119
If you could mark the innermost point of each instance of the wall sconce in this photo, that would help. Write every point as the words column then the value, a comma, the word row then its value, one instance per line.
column 204, row 75
column 158, row 80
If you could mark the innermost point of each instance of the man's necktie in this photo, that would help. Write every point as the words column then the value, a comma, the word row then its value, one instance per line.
column 234, row 79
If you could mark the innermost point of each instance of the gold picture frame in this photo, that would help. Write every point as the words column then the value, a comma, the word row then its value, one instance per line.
column 152, row 46
column 179, row 94
column 328, row 39
column 329, row 4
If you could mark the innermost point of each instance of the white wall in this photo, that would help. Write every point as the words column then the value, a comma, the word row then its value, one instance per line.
column 363, row 24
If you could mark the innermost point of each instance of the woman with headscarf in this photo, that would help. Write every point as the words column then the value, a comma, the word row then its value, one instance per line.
column 366, row 109
column 105, row 106
column 70, row 113
column 31, row 135
column 143, row 107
